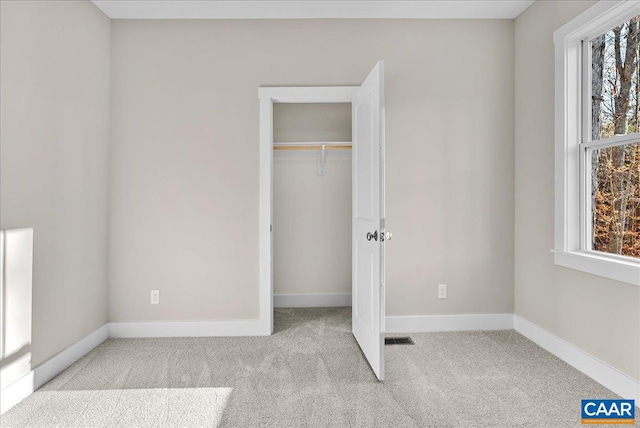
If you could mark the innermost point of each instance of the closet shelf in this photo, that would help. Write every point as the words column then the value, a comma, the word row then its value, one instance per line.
column 344, row 145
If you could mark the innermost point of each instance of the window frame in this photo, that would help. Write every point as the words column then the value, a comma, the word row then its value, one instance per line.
column 572, row 243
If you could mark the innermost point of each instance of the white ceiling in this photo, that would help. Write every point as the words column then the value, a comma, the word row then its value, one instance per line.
column 310, row 9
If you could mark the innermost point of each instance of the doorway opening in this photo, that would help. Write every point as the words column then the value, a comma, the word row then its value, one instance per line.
column 312, row 203
column 368, row 234
column 269, row 97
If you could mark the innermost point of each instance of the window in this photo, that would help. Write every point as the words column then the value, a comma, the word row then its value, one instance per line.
column 597, row 227
column 611, row 157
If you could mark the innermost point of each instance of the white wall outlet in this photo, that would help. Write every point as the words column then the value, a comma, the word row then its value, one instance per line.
column 155, row 297
column 442, row 291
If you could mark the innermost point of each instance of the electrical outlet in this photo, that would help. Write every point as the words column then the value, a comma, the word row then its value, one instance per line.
column 155, row 297
column 442, row 291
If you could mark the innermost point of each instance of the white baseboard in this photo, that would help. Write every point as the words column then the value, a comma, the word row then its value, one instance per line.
column 17, row 391
column 599, row 371
column 433, row 323
column 59, row 362
column 186, row 328
column 311, row 300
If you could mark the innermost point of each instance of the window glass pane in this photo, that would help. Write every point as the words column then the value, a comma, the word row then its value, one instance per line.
column 615, row 174
column 614, row 81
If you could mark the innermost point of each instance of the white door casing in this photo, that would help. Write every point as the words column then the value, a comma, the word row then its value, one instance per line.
column 269, row 96
column 368, row 204
column 368, row 218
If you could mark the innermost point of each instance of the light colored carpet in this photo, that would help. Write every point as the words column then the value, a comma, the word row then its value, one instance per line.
column 311, row 373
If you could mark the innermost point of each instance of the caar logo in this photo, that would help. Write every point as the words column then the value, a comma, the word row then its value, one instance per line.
column 608, row 411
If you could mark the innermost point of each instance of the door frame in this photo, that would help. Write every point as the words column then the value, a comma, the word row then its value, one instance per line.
column 269, row 96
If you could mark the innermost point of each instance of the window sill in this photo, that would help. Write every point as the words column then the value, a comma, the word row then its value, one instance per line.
column 608, row 267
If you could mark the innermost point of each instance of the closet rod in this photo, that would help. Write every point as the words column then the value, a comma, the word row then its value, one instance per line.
column 346, row 145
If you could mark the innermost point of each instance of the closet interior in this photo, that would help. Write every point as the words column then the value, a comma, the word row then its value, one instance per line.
column 311, row 203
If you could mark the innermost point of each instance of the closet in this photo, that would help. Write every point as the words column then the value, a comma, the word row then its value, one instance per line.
column 312, row 203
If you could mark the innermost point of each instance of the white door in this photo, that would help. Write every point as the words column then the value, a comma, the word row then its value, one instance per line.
column 368, row 218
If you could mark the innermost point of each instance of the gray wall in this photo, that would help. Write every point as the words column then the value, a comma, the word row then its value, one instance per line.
column 599, row 316
column 54, row 132
column 184, row 157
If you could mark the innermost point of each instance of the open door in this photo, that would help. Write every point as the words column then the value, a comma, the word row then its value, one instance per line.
column 368, row 218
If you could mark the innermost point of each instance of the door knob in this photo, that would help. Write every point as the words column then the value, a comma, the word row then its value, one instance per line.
column 373, row 236
column 386, row 236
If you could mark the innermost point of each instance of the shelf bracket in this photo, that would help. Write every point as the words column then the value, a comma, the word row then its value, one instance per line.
column 322, row 157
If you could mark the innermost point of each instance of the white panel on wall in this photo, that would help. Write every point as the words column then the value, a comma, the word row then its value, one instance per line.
column 16, row 276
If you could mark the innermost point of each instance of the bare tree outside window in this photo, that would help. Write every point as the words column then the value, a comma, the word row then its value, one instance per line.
column 615, row 171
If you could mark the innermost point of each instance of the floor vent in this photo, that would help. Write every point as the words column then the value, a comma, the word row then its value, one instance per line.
column 398, row 341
